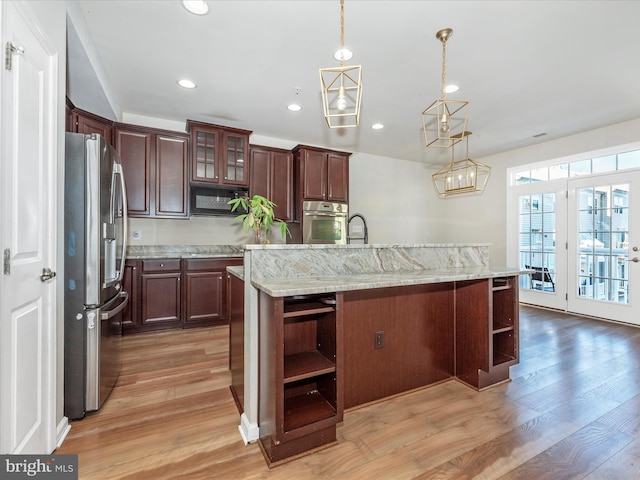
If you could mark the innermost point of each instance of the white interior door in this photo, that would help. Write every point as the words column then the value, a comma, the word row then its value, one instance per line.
column 604, row 246
column 27, row 328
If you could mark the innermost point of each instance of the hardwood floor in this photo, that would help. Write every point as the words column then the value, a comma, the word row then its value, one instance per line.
column 572, row 411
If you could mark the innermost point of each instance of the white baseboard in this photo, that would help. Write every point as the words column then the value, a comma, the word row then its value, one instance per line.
column 61, row 431
column 248, row 431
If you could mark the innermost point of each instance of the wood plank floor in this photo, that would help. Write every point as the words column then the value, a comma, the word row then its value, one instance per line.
column 572, row 411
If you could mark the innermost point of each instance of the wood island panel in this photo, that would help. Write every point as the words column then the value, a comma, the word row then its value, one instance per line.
column 418, row 326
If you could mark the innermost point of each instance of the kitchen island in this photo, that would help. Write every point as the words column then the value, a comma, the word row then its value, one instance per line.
column 332, row 327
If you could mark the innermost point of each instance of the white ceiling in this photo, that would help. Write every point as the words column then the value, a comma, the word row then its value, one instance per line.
column 526, row 67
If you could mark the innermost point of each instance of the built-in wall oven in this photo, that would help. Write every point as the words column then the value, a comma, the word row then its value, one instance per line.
column 324, row 222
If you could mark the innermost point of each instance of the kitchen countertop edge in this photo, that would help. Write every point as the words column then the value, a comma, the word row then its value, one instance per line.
column 284, row 287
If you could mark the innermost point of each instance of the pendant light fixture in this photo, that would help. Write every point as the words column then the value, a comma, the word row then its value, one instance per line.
column 341, row 89
column 444, row 121
column 462, row 176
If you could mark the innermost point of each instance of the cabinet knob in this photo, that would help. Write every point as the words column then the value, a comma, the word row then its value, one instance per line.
column 162, row 265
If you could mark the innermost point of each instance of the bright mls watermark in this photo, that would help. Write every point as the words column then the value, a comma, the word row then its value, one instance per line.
column 50, row 467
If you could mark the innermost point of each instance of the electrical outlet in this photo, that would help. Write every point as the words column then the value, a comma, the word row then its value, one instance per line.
column 378, row 341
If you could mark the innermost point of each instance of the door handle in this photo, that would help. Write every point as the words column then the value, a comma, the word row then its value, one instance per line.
column 634, row 259
column 47, row 274
column 635, row 249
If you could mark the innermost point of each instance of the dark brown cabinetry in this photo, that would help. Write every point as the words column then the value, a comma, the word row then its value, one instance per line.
column 173, row 293
column 489, row 317
column 131, row 285
column 81, row 121
column 321, row 174
column 235, row 302
column 272, row 177
column 205, row 291
column 301, row 377
column 160, row 294
column 219, row 154
column 155, row 164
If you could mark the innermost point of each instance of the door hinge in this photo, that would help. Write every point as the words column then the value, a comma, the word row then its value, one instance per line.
column 7, row 261
column 9, row 50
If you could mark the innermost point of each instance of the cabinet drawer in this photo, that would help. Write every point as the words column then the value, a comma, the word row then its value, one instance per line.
column 161, row 265
column 210, row 264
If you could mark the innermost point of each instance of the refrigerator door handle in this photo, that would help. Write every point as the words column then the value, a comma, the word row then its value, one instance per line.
column 112, row 313
column 125, row 216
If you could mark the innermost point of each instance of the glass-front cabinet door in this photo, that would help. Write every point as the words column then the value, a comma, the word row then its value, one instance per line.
column 236, row 159
column 204, row 157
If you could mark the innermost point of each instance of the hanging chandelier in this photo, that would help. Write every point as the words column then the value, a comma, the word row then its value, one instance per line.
column 341, row 88
column 462, row 176
column 444, row 121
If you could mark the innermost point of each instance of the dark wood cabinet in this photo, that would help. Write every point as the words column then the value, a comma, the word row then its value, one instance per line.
column 81, row 121
column 219, row 155
column 301, row 374
column 205, row 291
column 160, row 294
column 320, row 175
column 155, row 164
column 272, row 177
column 131, row 285
column 175, row 293
column 235, row 303
column 489, row 317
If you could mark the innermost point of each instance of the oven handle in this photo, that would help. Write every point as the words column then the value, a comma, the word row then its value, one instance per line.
column 324, row 214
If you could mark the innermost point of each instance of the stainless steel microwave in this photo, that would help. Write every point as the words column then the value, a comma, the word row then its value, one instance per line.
column 215, row 200
column 324, row 222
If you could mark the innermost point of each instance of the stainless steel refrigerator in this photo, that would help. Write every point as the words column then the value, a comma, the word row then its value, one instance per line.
column 95, row 229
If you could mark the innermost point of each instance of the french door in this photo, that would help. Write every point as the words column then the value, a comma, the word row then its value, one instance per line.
column 604, row 246
column 540, row 221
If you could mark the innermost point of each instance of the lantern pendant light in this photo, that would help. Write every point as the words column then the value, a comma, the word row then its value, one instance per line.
column 341, row 89
column 444, row 121
column 462, row 176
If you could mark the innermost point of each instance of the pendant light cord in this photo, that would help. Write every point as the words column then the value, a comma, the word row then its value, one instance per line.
column 342, row 29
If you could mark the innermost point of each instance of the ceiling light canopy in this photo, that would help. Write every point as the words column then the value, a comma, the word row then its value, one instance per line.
column 197, row 7
column 444, row 121
column 341, row 88
column 462, row 176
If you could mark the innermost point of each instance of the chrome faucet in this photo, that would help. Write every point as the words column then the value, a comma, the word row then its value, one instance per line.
column 365, row 238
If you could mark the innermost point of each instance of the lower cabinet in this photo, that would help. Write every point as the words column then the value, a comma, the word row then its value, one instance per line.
column 174, row 293
column 205, row 291
column 160, row 294
column 301, row 375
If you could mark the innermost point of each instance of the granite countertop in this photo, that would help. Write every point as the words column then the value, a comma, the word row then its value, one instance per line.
column 237, row 271
column 135, row 252
column 284, row 287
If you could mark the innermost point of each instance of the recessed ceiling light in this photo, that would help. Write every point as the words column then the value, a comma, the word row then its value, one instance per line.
column 343, row 54
column 185, row 83
column 451, row 88
column 198, row 7
column 294, row 107
column 377, row 126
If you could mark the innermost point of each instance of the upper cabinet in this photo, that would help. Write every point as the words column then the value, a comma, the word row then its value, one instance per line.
column 80, row 121
column 321, row 175
column 155, row 164
column 272, row 177
column 219, row 155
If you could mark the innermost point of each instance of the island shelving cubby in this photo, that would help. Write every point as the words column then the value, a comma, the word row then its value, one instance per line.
column 301, row 373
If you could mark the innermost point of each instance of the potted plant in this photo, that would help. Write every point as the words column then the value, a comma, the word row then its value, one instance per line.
column 259, row 217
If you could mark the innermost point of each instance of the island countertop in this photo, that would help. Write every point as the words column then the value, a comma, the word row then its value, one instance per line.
column 284, row 287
